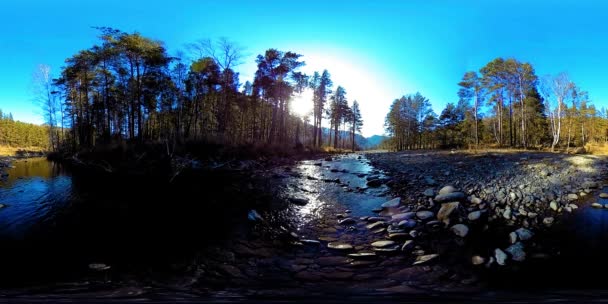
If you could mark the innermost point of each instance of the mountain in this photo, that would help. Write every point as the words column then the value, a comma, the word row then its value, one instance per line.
column 364, row 143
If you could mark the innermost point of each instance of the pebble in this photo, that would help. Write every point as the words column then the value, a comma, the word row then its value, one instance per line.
column 473, row 216
column 425, row 258
column 524, row 234
column 429, row 192
column 394, row 203
column 375, row 225
column 512, row 237
column 362, row 255
column 603, row 195
column 597, row 205
column 347, row 221
column 450, row 197
column 517, row 252
column 548, row 221
column 424, row 215
column 384, row 243
column 477, row 260
column 501, row 256
column 447, row 189
column 339, row 246
column 553, row 205
column 446, row 209
column 408, row 245
column 572, row 197
column 460, row 230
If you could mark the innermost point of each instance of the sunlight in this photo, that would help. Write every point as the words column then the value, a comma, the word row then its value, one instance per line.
column 301, row 104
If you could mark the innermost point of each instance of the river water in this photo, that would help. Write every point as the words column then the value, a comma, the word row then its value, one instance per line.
column 55, row 223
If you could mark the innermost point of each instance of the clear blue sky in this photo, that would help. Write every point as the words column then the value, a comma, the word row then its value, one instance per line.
column 378, row 50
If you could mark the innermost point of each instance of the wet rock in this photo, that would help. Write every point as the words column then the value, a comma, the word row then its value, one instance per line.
column 231, row 270
column 386, row 250
column 403, row 216
column 460, row 230
column 374, row 183
column 524, row 234
column 362, row 255
column 332, row 261
column 477, row 260
column 424, row 215
column 501, row 256
column 517, row 252
column 473, row 216
column 597, row 205
column 373, row 219
column 553, row 205
column 572, row 197
column 394, row 203
column 375, row 225
column 298, row 201
column 548, row 221
column 407, row 246
column 383, row 243
column 339, row 246
column 407, row 224
column 475, row 200
column 603, row 195
column 347, row 221
column 447, row 189
column 99, row 266
column 450, row 197
column 252, row 216
column 445, row 210
column 429, row 192
column 397, row 235
column 2, row 206
column 424, row 258
column 310, row 242
column 328, row 158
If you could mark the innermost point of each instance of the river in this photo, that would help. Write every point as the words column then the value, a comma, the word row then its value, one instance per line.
column 196, row 235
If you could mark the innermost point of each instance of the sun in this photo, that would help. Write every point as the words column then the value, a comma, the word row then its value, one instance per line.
column 301, row 104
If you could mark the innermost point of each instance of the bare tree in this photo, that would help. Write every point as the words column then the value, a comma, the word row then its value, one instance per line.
column 556, row 90
column 224, row 52
column 42, row 90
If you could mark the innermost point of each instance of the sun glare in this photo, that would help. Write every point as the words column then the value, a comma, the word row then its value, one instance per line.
column 301, row 104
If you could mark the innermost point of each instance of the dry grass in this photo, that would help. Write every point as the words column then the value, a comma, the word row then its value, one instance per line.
column 597, row 148
column 12, row 151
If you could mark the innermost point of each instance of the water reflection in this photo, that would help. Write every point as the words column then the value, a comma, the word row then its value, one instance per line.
column 34, row 193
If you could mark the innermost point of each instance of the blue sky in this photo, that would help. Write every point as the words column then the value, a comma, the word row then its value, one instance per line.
column 377, row 50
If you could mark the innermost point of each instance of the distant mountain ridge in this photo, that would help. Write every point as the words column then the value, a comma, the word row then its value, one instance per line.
column 364, row 143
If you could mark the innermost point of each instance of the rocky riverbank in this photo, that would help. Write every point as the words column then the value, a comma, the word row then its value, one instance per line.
column 494, row 202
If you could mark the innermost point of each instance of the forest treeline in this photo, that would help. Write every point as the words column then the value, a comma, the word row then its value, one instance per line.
column 128, row 88
column 20, row 134
column 504, row 104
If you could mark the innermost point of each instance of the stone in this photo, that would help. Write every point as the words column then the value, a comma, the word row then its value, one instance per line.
column 99, row 266
column 597, row 205
column 603, row 195
column 548, row 221
column 362, row 255
column 445, row 210
column 310, row 242
column 477, row 260
column 252, row 216
column 553, row 205
column 429, row 192
column 572, row 197
column 373, row 219
column 573, row 206
column 374, row 183
column 501, row 256
column 2, row 206
column 298, row 201
column 397, row 235
column 524, row 234
column 424, row 215
column 425, row 258
column 340, row 246
column 450, row 197
column 347, row 221
column 512, row 237
column 375, row 225
column 407, row 246
column 386, row 250
column 394, row 203
column 517, row 252
column 475, row 215
column 447, row 189
column 403, row 216
column 383, row 243
column 332, row 260
column 475, row 200
column 407, row 224
column 460, row 230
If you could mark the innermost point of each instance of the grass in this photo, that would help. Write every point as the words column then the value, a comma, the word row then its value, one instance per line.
column 14, row 151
